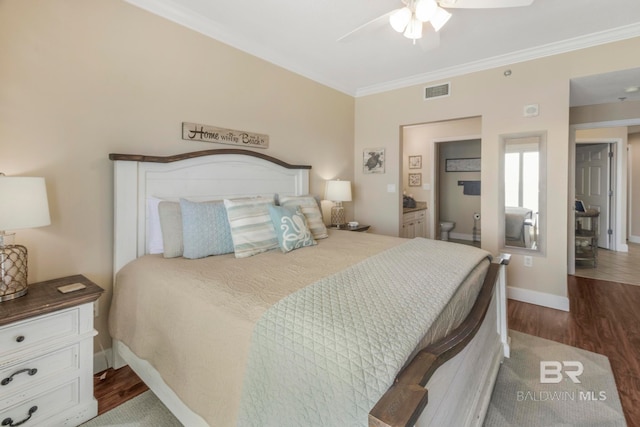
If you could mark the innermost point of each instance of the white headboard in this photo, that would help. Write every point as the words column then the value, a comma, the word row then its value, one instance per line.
column 201, row 175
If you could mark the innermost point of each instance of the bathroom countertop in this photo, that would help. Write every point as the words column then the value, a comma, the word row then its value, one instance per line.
column 420, row 206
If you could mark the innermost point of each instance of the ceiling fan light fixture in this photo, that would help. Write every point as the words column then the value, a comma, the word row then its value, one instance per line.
column 425, row 9
column 414, row 29
column 400, row 18
column 440, row 17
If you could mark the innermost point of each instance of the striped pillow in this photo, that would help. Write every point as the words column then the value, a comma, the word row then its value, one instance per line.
column 309, row 207
column 251, row 227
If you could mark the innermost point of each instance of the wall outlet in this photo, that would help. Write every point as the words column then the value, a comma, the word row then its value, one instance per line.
column 391, row 188
column 528, row 261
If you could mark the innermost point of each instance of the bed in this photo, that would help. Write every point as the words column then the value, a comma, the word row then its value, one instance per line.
column 273, row 338
column 519, row 226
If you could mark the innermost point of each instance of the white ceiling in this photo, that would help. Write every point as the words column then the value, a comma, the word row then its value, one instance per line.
column 301, row 36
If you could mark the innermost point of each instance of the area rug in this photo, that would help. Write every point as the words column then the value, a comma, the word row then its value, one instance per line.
column 538, row 386
column 519, row 397
column 144, row 410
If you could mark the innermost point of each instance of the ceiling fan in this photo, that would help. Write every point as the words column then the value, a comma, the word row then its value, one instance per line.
column 410, row 18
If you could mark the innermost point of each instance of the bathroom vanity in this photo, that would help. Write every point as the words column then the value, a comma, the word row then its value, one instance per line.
column 414, row 221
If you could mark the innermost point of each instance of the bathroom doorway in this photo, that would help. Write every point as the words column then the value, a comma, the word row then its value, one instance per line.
column 458, row 189
column 421, row 141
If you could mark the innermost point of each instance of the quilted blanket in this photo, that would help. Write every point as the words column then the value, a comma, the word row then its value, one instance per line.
column 324, row 355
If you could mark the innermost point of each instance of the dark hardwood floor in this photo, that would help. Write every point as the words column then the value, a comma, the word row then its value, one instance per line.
column 604, row 318
column 112, row 388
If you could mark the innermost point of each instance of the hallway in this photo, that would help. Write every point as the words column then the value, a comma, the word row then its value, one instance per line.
column 621, row 267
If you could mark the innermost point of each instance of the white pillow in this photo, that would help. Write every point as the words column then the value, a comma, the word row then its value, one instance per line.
column 154, row 232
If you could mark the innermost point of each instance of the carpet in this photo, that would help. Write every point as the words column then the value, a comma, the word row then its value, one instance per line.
column 144, row 410
column 519, row 397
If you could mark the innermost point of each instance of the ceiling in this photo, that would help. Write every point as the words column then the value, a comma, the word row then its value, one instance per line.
column 302, row 36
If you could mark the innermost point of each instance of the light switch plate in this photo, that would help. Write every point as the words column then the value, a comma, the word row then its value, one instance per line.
column 391, row 188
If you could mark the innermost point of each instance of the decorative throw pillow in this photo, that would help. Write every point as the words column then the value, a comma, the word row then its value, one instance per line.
column 171, row 226
column 291, row 228
column 309, row 207
column 251, row 228
column 205, row 229
column 154, row 230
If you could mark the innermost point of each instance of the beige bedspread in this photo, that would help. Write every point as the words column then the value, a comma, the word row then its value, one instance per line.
column 193, row 319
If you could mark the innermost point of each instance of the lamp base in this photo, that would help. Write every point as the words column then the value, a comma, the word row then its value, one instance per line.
column 13, row 272
column 337, row 216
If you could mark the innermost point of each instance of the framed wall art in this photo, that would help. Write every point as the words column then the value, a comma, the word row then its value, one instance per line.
column 415, row 162
column 373, row 160
column 415, row 179
column 463, row 165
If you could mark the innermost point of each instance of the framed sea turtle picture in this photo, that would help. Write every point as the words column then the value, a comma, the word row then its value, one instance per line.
column 373, row 160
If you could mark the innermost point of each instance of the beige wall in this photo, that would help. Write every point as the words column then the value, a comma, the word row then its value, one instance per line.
column 499, row 101
column 80, row 79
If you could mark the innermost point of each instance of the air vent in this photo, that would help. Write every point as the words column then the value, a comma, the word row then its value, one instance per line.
column 438, row 91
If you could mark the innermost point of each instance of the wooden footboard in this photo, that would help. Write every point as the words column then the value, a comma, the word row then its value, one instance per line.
column 404, row 402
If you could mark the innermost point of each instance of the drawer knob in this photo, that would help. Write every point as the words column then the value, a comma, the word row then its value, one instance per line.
column 30, row 371
column 20, row 338
column 9, row 422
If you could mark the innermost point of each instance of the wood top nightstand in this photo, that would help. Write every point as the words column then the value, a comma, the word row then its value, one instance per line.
column 360, row 228
column 46, row 355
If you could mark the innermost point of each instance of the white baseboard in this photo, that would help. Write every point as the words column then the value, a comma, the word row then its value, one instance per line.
column 634, row 239
column 464, row 236
column 102, row 360
column 538, row 298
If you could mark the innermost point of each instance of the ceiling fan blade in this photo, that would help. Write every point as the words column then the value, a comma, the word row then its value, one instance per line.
column 483, row 4
column 370, row 25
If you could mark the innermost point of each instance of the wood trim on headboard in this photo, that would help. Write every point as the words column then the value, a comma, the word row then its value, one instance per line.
column 193, row 154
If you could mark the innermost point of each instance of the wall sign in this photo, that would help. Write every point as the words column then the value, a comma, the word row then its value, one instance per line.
column 196, row 132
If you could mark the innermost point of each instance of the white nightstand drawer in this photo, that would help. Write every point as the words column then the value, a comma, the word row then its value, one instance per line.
column 40, row 330
column 42, row 408
column 15, row 378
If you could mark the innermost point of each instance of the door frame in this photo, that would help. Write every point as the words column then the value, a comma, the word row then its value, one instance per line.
column 620, row 187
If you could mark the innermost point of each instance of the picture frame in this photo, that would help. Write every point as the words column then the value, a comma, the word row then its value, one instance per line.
column 463, row 165
column 373, row 160
column 415, row 179
column 415, row 162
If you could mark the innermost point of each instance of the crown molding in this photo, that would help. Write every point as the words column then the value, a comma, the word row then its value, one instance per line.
column 175, row 12
column 595, row 39
column 178, row 14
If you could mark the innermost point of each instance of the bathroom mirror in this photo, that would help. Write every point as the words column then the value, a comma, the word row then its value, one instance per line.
column 523, row 189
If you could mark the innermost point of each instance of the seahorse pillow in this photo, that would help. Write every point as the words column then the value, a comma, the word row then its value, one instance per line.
column 291, row 228
column 309, row 207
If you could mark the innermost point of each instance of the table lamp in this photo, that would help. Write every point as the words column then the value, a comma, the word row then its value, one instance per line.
column 338, row 191
column 23, row 204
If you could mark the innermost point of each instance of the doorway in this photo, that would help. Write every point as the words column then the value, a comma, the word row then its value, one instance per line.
column 594, row 185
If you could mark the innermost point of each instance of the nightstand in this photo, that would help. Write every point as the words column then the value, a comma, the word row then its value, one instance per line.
column 360, row 228
column 46, row 355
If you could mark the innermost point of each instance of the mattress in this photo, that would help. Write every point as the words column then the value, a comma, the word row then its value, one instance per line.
column 193, row 319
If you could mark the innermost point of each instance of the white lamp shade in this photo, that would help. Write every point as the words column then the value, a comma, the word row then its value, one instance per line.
column 439, row 18
column 400, row 18
column 414, row 29
column 425, row 9
column 338, row 191
column 23, row 203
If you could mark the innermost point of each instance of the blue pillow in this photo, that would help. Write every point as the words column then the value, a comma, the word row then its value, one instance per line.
column 205, row 229
column 291, row 228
